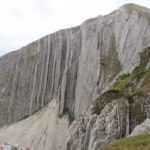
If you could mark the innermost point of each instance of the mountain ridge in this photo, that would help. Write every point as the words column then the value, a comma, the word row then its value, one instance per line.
column 97, row 74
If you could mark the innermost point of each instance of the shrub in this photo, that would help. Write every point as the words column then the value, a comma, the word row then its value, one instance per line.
column 69, row 115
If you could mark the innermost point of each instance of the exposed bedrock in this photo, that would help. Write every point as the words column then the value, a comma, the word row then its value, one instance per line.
column 72, row 65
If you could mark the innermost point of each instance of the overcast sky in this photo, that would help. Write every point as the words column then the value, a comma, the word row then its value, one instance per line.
column 23, row 21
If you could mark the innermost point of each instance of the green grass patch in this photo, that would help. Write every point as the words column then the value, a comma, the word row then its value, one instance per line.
column 141, row 142
column 69, row 115
column 133, row 94
column 128, row 80
column 146, row 80
column 137, row 82
column 131, row 80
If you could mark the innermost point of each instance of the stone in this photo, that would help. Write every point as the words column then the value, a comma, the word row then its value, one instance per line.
column 143, row 128
column 77, row 69
column 72, row 65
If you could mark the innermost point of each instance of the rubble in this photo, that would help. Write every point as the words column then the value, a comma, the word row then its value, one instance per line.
column 7, row 146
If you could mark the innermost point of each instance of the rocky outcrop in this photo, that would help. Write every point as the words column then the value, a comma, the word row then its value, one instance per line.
column 72, row 65
column 116, row 119
column 143, row 128
column 116, row 112
column 97, row 72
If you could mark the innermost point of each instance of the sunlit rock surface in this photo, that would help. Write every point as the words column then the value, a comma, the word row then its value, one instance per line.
column 77, row 67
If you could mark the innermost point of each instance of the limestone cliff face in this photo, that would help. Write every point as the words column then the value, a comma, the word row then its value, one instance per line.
column 116, row 112
column 74, row 65
column 39, row 72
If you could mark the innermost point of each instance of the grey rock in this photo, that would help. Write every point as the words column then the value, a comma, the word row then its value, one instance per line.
column 115, row 120
column 72, row 65
column 75, row 66
column 101, row 129
column 143, row 128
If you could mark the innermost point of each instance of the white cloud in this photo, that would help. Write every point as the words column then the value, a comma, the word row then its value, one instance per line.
column 23, row 21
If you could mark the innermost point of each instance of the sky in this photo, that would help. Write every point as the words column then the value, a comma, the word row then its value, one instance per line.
column 24, row 21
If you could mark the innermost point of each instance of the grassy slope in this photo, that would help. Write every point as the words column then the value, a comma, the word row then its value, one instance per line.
column 138, row 81
column 141, row 142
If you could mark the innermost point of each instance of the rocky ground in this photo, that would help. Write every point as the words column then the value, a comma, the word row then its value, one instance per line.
column 43, row 130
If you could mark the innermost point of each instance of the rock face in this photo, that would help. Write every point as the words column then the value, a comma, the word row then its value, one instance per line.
column 116, row 112
column 143, row 128
column 116, row 119
column 41, row 131
column 36, row 74
column 81, row 68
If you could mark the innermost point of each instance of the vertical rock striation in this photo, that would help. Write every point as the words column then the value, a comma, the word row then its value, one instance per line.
column 39, row 72
column 72, row 65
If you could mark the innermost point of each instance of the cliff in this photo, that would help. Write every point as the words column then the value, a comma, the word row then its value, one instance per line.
column 97, row 72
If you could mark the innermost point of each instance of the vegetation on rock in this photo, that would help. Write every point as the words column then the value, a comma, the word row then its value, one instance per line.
column 138, row 81
column 69, row 115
